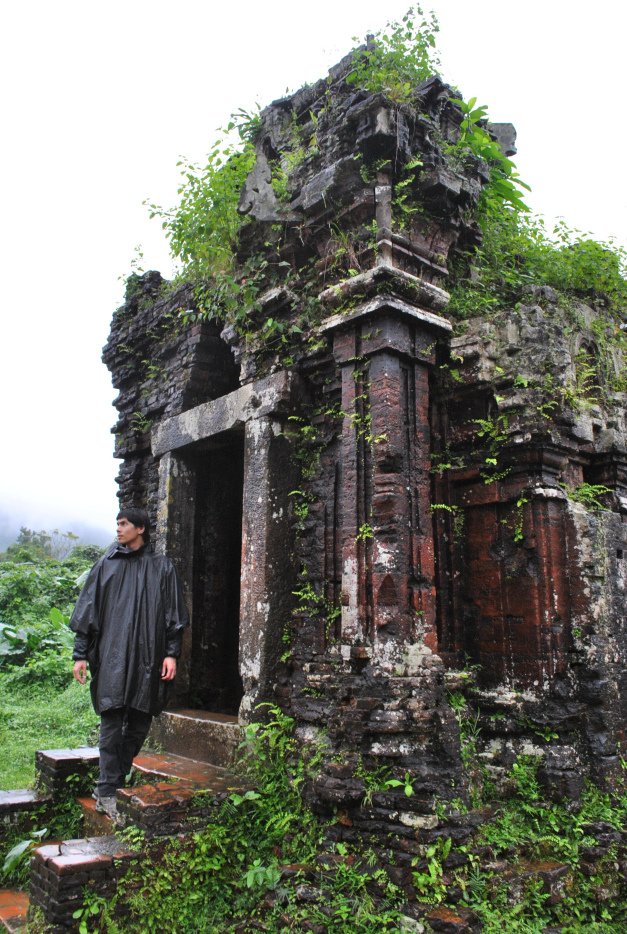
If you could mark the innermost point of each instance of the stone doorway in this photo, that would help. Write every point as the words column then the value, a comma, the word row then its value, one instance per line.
column 224, row 517
column 214, row 678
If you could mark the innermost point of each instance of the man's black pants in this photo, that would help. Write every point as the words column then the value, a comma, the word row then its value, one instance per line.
column 122, row 734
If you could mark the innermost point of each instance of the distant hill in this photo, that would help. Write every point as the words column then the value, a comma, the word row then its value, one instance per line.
column 87, row 534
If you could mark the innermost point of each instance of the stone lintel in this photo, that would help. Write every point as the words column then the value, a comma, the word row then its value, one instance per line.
column 387, row 304
column 258, row 399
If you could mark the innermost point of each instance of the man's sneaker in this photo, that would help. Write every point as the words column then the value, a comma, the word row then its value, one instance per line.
column 107, row 806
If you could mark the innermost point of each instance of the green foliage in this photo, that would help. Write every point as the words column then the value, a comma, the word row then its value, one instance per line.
column 300, row 504
column 20, row 852
column 399, row 57
column 365, row 532
column 493, row 433
column 374, row 778
column 404, row 203
column 503, row 189
column 587, row 494
column 429, row 881
column 245, row 870
column 264, row 877
column 406, row 783
column 40, row 706
column 203, row 228
column 37, row 596
column 539, row 830
column 40, row 715
column 292, row 156
column 468, row 722
column 91, row 909
column 63, row 821
column 521, row 502
column 36, row 546
column 517, row 250
column 526, row 835
column 478, row 782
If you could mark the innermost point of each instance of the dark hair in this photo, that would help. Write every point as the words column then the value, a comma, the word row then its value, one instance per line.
column 137, row 517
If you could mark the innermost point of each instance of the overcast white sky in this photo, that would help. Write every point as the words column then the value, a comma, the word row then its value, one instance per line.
column 101, row 99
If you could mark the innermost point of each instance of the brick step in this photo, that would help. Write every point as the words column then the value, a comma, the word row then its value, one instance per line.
column 95, row 824
column 180, row 793
column 179, row 804
column 168, row 808
column 184, row 798
column 209, row 737
column 60, row 872
column 180, row 801
column 169, row 765
column 54, row 767
column 21, row 810
column 13, row 910
column 180, row 797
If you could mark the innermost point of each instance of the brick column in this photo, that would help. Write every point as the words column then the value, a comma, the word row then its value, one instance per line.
column 385, row 348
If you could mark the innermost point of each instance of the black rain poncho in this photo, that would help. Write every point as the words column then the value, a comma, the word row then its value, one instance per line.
column 129, row 617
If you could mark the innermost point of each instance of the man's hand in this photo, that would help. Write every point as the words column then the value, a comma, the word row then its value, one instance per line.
column 168, row 669
column 80, row 671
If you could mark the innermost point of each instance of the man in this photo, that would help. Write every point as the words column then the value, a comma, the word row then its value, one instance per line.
column 129, row 622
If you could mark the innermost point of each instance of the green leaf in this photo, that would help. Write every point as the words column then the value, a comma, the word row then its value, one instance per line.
column 15, row 854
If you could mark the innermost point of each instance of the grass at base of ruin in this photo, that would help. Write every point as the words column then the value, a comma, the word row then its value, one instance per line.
column 39, row 716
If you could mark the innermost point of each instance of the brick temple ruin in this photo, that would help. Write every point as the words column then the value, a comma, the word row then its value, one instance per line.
column 375, row 512
column 372, row 505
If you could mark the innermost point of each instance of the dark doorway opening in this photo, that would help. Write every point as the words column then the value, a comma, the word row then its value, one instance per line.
column 215, row 682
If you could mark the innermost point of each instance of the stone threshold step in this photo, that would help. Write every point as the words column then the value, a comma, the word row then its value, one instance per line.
column 13, row 910
column 207, row 736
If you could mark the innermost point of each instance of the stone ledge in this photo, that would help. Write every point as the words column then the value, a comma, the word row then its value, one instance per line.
column 387, row 304
column 422, row 292
column 19, row 800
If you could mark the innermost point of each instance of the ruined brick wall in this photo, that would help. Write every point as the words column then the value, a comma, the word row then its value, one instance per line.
column 161, row 365
column 531, row 582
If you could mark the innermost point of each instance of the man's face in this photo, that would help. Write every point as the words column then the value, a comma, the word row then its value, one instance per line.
column 129, row 534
